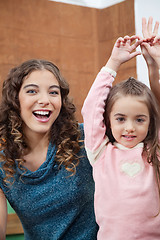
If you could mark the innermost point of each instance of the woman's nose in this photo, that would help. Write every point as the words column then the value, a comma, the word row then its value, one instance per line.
column 43, row 100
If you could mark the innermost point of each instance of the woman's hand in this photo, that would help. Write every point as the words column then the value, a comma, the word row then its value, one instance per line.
column 151, row 42
column 151, row 53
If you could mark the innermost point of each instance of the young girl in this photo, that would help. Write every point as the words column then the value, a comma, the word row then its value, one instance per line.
column 42, row 158
column 121, row 137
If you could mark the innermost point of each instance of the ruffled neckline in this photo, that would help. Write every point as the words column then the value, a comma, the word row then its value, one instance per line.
column 28, row 176
column 119, row 146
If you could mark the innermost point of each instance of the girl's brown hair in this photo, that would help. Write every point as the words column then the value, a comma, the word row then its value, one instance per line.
column 64, row 131
column 133, row 87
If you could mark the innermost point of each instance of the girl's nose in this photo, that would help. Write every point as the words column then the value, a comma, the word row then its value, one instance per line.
column 129, row 127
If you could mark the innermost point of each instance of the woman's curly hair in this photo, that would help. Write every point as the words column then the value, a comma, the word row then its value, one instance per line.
column 64, row 132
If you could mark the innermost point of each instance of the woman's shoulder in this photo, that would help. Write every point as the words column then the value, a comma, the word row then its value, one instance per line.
column 81, row 128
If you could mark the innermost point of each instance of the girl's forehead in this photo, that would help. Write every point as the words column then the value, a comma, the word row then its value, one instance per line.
column 129, row 98
column 130, row 103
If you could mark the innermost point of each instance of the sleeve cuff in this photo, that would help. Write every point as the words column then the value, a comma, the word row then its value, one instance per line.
column 109, row 70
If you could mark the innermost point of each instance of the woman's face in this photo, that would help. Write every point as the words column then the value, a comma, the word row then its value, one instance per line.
column 40, row 102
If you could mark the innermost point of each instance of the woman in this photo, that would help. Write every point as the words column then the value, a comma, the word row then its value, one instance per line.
column 44, row 174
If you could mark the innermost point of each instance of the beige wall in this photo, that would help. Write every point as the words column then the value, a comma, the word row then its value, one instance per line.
column 77, row 39
column 113, row 22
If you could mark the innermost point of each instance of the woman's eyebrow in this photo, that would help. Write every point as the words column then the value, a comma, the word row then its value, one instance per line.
column 36, row 86
column 30, row 85
column 54, row 86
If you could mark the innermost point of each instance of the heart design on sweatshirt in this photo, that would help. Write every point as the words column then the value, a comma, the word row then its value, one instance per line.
column 131, row 169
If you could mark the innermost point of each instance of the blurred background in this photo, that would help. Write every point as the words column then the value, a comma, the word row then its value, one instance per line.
column 76, row 35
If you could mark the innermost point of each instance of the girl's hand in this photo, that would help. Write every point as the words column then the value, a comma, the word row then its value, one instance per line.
column 123, row 51
column 151, row 53
column 151, row 43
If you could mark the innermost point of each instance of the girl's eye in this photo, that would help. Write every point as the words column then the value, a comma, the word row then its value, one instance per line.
column 140, row 120
column 120, row 119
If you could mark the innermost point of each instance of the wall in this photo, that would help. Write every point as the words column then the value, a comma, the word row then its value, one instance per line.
column 145, row 8
column 58, row 32
column 77, row 39
column 114, row 22
column 91, row 3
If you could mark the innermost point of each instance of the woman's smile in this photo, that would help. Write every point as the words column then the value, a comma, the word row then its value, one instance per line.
column 42, row 115
column 40, row 101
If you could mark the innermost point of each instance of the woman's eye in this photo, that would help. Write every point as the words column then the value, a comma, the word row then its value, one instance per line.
column 54, row 93
column 31, row 91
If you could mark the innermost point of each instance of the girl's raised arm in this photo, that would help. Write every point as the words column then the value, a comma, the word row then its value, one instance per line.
column 94, row 105
column 3, row 215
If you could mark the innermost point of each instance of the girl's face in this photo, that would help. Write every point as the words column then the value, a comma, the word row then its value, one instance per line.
column 129, row 120
column 40, row 102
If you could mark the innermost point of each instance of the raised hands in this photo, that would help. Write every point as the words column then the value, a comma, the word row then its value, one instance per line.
column 150, row 46
column 123, row 51
column 124, row 48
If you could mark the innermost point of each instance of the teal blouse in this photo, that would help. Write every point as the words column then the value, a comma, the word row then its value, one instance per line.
column 51, row 204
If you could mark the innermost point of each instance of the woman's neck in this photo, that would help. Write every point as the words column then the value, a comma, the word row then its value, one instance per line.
column 36, row 140
column 36, row 153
